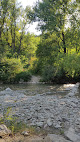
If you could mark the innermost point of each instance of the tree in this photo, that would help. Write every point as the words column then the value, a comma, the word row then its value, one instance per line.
column 54, row 15
column 17, row 47
column 60, row 25
column 24, row 21
column 3, row 14
column 13, row 21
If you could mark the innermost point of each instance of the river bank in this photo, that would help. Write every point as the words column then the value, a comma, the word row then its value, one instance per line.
column 49, row 111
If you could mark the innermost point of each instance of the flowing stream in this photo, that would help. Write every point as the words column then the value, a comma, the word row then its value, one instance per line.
column 34, row 89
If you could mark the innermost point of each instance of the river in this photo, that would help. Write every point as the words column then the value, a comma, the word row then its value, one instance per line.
column 47, row 106
column 34, row 89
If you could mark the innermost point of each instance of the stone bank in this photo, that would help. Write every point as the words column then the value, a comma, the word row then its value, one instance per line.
column 45, row 110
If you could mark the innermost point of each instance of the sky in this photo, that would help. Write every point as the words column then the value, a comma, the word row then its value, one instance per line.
column 32, row 28
column 27, row 2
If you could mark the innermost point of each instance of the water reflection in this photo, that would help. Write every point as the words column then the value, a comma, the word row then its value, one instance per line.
column 33, row 89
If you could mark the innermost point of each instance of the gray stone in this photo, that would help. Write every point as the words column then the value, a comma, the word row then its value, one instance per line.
column 55, row 138
column 71, row 135
column 8, row 89
column 45, row 126
column 4, row 130
column 43, row 110
column 57, row 126
column 49, row 122
column 25, row 133
column 39, row 124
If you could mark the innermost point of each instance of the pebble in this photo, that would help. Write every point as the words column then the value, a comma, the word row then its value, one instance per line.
column 44, row 110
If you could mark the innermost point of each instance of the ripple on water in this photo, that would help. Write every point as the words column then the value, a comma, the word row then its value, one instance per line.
column 33, row 89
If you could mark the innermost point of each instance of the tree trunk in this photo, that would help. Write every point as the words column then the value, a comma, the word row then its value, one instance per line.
column 63, row 42
column 0, row 33
column 14, row 40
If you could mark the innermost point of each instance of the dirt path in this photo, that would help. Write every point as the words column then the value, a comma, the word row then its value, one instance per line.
column 21, row 138
column 35, row 79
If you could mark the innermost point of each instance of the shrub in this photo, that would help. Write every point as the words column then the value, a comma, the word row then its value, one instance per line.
column 9, row 68
column 26, row 76
column 66, row 68
column 48, row 73
column 72, row 65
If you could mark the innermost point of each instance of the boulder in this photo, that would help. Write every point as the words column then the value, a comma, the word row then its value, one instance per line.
column 4, row 130
column 8, row 89
column 55, row 138
column 71, row 135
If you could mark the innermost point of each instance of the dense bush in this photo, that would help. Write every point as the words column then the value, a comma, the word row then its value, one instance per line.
column 65, row 68
column 71, row 65
column 48, row 73
column 11, row 70
column 25, row 76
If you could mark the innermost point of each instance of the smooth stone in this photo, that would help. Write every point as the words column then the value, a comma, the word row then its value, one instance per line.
column 39, row 124
column 25, row 133
column 4, row 130
column 57, row 126
column 49, row 122
column 71, row 135
column 55, row 138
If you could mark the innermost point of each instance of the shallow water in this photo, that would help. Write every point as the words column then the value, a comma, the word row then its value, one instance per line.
column 78, row 93
column 34, row 89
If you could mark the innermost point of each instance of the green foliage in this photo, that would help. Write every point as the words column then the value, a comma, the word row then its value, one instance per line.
column 71, row 65
column 48, row 73
column 54, row 55
column 58, row 39
column 68, row 67
column 9, row 68
column 16, row 47
column 25, row 76
column 19, row 127
column 10, row 121
column 6, row 116
column 65, row 68
column 55, row 15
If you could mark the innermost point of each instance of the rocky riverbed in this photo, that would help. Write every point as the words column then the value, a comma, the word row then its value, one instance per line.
column 47, row 111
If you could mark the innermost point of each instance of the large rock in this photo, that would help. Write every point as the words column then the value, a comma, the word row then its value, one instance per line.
column 55, row 138
column 4, row 130
column 49, row 122
column 71, row 135
column 8, row 89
